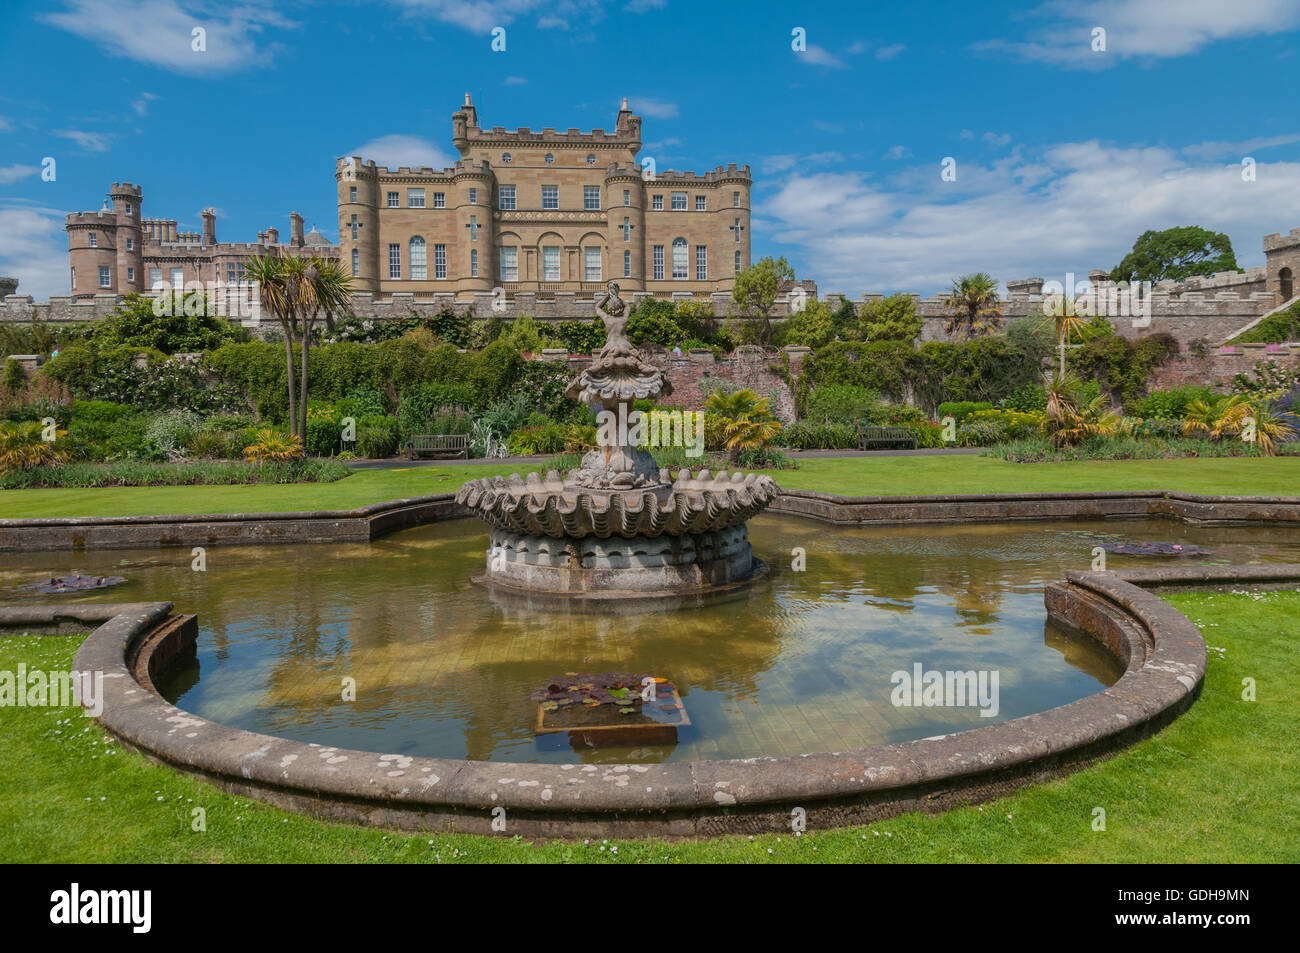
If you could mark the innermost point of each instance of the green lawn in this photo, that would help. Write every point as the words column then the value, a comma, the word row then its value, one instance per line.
column 849, row 476
column 1215, row 786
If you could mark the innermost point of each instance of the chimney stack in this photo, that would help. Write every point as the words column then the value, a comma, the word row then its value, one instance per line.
column 295, row 229
column 209, row 227
column 273, row 236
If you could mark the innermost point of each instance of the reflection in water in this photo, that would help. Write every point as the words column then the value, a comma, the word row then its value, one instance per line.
column 799, row 662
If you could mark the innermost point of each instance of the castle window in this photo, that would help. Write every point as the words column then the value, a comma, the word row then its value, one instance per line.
column 506, row 198
column 473, row 262
column 94, row 240
column 550, row 159
column 701, row 263
column 551, row 263
column 591, row 158
column 627, row 264
column 128, row 209
column 701, row 203
column 473, row 196
column 679, row 201
column 591, row 197
column 74, row 279
column 394, row 261
column 735, row 200
column 417, row 259
column 627, row 196
column 473, row 228
column 510, row 264
column 130, row 274
column 627, row 229
column 130, row 244
column 415, row 198
column 394, row 200
column 440, row 262
column 737, row 262
column 550, row 196
column 506, row 157
column 352, row 194
column 680, row 270
column 659, row 262
column 230, row 273
column 657, row 203
column 178, row 279
column 439, row 200
column 105, row 279
column 356, row 263
column 591, row 264
column 155, row 279
column 737, row 229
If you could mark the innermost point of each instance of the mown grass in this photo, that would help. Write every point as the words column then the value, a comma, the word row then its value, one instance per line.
column 1215, row 786
column 849, row 476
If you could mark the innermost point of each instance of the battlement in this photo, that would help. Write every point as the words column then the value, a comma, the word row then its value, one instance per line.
column 499, row 135
column 1275, row 241
column 473, row 167
column 125, row 188
column 719, row 174
column 75, row 219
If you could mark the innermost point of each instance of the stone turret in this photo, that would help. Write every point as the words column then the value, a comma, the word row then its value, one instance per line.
column 295, row 230
column 209, row 226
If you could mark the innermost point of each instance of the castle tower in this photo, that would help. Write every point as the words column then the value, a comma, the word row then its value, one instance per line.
column 92, row 252
column 209, row 226
column 358, row 189
column 734, row 184
column 474, row 242
column 1282, row 265
column 295, row 230
column 129, row 266
column 625, row 235
column 461, row 121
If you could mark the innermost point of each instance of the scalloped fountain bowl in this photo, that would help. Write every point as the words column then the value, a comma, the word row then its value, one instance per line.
column 672, row 538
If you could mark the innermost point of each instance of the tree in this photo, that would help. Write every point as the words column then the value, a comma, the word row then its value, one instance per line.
column 174, row 322
column 746, row 421
column 298, row 291
column 1176, row 253
column 811, row 327
column 1064, row 313
column 756, row 288
column 973, row 306
column 890, row 319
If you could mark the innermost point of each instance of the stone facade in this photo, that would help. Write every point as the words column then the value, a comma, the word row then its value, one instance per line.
column 546, row 213
column 116, row 251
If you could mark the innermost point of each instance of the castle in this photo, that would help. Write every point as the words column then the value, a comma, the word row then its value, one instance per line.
column 116, row 251
column 542, row 212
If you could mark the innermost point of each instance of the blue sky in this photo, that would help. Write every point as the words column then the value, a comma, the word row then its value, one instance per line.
column 1063, row 154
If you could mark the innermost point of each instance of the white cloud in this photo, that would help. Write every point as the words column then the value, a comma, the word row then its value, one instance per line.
column 997, row 139
column 898, row 152
column 1070, row 207
column 654, row 108
column 90, row 141
column 644, row 6
column 12, row 173
column 141, row 105
column 779, row 163
column 1143, row 28
column 516, row 80
column 821, row 125
column 1220, row 150
column 5, row 124
column 399, row 149
column 889, row 52
column 34, row 249
column 159, row 32
column 818, row 56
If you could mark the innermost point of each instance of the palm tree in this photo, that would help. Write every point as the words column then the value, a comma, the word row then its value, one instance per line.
column 298, row 291
column 1215, row 418
column 747, row 423
column 1073, row 417
column 973, row 302
column 1064, row 313
column 1271, row 426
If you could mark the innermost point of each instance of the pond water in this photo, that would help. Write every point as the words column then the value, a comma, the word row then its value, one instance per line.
column 802, row 661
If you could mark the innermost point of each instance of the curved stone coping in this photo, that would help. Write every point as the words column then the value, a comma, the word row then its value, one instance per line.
column 1162, row 652
column 1002, row 507
column 378, row 519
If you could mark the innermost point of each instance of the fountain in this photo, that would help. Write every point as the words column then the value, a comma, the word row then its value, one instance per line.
column 619, row 525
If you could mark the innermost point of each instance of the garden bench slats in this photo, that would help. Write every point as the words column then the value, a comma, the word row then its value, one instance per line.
column 887, row 436
column 438, row 445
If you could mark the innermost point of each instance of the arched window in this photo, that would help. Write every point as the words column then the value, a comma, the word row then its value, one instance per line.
column 681, row 269
column 418, row 259
column 1287, row 283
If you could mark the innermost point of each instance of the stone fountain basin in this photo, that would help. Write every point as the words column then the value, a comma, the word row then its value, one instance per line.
column 691, row 504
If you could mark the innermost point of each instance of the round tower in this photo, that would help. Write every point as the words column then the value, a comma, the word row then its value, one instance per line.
column 625, row 227
column 92, row 253
column 475, row 238
column 129, row 266
column 734, row 184
column 359, row 222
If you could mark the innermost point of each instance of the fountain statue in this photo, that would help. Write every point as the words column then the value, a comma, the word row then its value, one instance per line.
column 619, row 524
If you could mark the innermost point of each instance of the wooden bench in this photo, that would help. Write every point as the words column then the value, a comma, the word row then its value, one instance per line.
column 886, row 436
column 438, row 445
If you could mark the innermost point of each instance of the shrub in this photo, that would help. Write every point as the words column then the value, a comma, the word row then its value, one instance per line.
column 14, row 378
column 1275, row 329
column 961, row 409
column 983, row 428
column 23, row 446
column 101, row 429
column 274, row 446
column 1171, row 404
column 819, row 435
column 167, row 434
column 364, row 403
column 208, row 444
column 654, row 321
column 843, row 403
column 183, row 325
column 377, row 437
column 323, row 436
column 890, row 319
column 581, row 337
column 1025, row 399
column 191, row 473
column 433, row 409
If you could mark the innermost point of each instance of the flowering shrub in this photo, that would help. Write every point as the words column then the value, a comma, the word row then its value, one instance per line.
column 983, row 428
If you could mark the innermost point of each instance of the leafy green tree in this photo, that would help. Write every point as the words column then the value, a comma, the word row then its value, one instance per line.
column 973, row 307
column 1176, row 253
column 890, row 319
column 756, row 288
column 811, row 326
column 844, row 322
column 174, row 323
